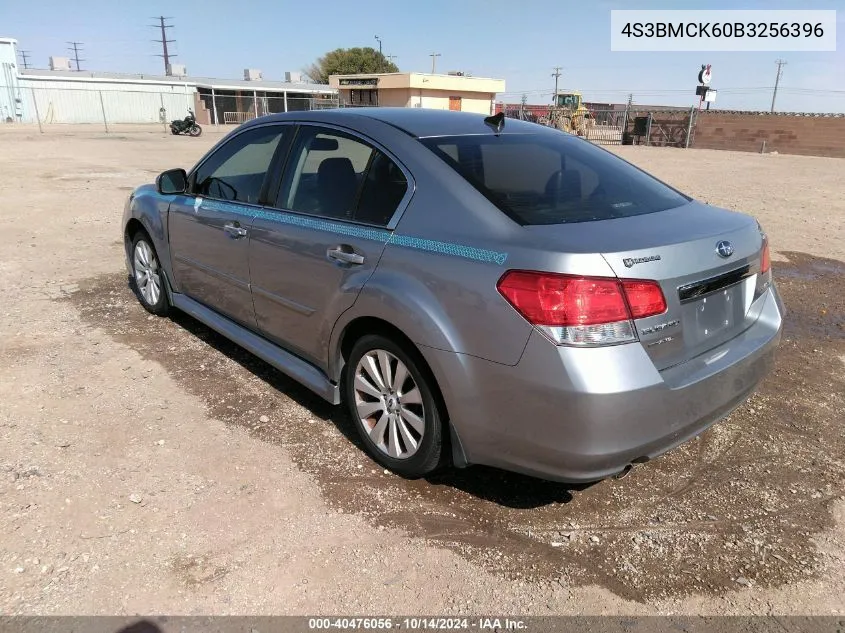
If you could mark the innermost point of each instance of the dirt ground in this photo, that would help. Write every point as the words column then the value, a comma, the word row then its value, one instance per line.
column 137, row 477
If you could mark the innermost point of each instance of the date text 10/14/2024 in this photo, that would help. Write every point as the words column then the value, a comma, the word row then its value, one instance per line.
column 418, row 624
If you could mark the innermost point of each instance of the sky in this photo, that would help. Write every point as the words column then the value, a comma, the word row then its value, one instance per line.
column 520, row 41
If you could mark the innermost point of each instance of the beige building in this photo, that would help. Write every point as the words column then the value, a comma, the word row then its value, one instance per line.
column 418, row 90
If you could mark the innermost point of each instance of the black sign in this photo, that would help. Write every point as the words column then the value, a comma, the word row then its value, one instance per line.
column 359, row 82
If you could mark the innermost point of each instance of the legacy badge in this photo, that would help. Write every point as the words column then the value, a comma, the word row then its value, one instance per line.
column 630, row 261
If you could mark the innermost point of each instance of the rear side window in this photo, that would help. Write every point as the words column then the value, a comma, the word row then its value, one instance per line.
column 383, row 190
column 335, row 175
column 326, row 169
column 553, row 178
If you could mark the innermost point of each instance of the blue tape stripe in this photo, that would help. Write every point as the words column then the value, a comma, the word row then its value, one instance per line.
column 446, row 248
column 367, row 233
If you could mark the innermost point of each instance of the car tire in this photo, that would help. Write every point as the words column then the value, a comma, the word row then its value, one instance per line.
column 148, row 276
column 410, row 441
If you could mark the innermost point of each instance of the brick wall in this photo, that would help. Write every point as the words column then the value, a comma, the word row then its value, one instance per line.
column 783, row 133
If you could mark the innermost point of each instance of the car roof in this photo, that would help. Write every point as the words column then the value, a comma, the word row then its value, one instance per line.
column 417, row 122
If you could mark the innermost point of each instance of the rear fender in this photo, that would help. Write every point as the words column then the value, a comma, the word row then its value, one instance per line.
column 408, row 305
column 403, row 302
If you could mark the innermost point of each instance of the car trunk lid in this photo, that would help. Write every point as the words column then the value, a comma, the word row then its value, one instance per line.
column 706, row 260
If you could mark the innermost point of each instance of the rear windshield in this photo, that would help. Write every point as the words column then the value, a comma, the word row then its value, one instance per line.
column 553, row 178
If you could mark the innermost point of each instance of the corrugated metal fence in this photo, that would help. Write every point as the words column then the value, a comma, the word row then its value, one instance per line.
column 58, row 103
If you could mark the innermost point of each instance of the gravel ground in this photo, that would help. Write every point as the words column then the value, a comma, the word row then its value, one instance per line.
column 149, row 466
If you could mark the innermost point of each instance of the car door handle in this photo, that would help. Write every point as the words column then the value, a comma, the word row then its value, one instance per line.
column 345, row 254
column 234, row 230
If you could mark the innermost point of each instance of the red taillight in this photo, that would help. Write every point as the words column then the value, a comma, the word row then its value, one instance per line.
column 578, row 305
column 645, row 298
column 765, row 260
column 549, row 299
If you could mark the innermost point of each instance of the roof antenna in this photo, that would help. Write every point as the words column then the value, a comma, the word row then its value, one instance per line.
column 496, row 121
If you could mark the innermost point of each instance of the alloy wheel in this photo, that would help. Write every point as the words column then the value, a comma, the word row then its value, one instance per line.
column 389, row 404
column 147, row 276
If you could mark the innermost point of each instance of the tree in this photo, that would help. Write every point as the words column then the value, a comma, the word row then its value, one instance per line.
column 349, row 61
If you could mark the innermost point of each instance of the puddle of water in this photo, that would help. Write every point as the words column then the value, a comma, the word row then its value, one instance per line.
column 809, row 270
column 744, row 499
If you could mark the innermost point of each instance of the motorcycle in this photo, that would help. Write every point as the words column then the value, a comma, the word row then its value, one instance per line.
column 188, row 125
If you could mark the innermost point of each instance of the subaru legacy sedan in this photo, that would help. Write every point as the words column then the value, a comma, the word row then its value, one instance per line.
column 474, row 290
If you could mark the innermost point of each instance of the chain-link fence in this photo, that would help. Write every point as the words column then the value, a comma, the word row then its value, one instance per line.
column 618, row 125
column 231, row 107
column 50, row 107
column 662, row 127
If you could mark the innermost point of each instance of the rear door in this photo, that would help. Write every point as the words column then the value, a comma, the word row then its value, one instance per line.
column 311, row 253
column 209, row 227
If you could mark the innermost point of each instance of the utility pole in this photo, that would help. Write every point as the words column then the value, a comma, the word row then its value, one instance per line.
column 626, row 116
column 434, row 57
column 379, row 44
column 556, row 75
column 24, row 59
column 522, row 107
column 781, row 63
column 75, row 48
column 164, row 42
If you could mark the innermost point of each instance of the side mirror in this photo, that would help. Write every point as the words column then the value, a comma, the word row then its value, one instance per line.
column 172, row 181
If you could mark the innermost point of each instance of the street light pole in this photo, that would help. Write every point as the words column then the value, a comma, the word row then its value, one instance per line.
column 379, row 44
column 434, row 57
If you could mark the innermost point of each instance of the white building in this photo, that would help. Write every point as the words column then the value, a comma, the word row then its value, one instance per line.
column 67, row 96
column 11, row 97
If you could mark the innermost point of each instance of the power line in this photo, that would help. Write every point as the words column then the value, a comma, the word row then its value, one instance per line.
column 164, row 42
column 75, row 47
column 24, row 59
column 670, row 91
column 781, row 63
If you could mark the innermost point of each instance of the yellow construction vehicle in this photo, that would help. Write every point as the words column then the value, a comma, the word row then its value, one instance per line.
column 568, row 114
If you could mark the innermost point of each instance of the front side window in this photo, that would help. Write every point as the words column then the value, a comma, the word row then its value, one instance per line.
column 553, row 178
column 335, row 175
column 237, row 170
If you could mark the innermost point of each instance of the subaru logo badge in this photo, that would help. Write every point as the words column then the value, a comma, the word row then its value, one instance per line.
column 725, row 249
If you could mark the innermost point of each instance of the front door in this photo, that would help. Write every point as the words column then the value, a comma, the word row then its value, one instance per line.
column 455, row 103
column 209, row 227
column 311, row 254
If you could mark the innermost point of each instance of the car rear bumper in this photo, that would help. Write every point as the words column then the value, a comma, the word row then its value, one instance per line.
column 580, row 415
